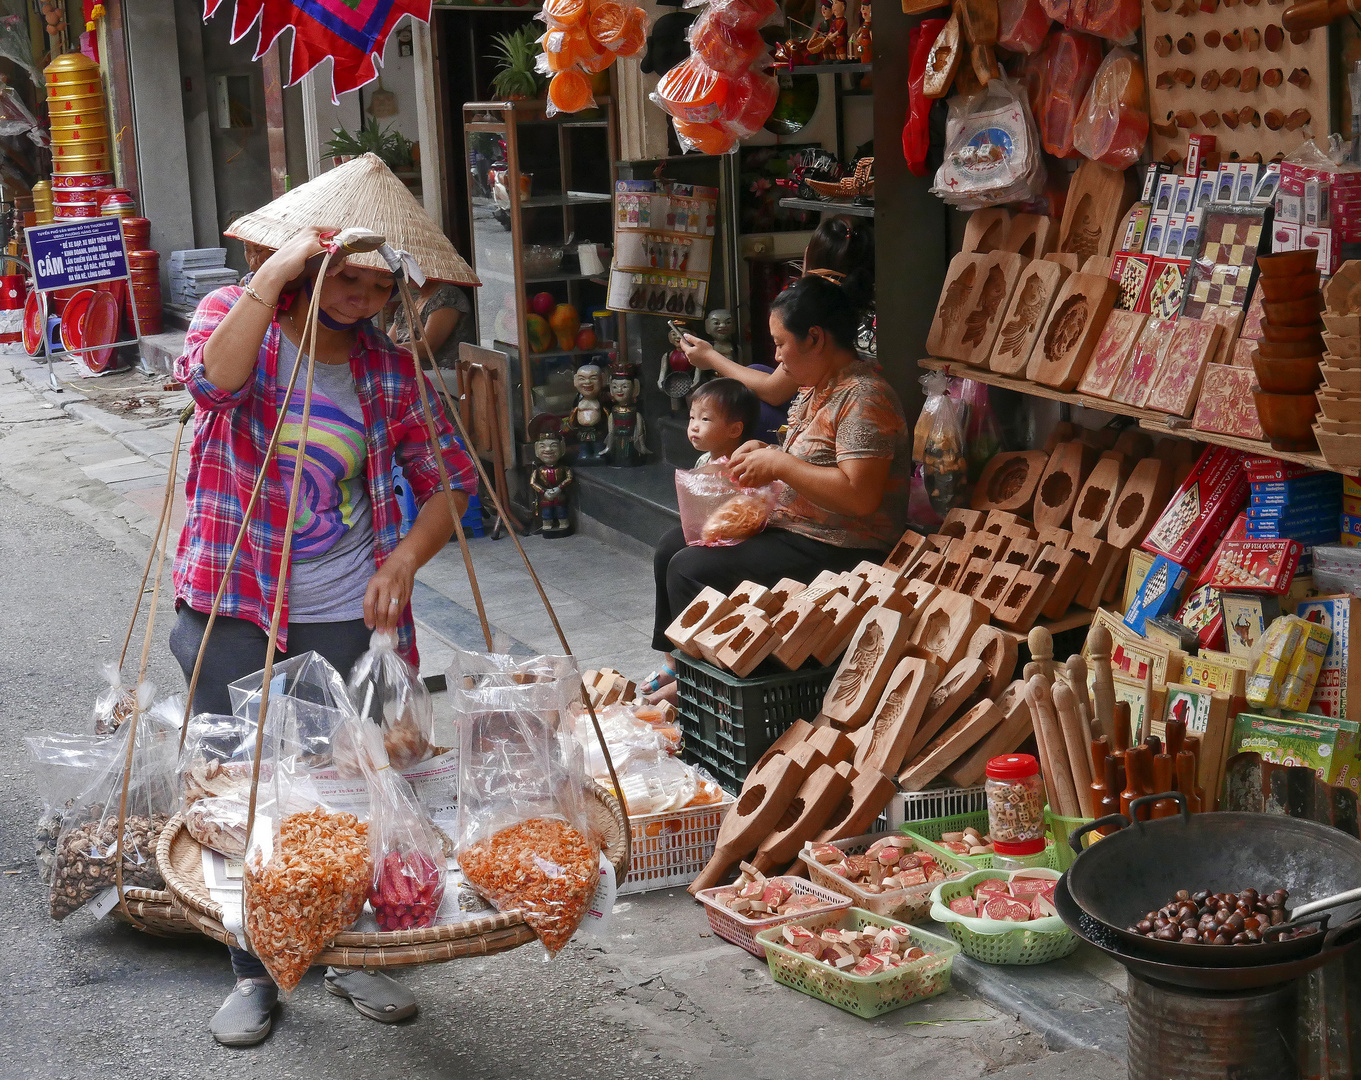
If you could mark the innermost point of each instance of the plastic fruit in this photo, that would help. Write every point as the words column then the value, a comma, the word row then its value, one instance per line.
column 540, row 334
column 692, row 91
column 750, row 101
column 565, row 12
column 585, row 338
column 724, row 48
column 569, row 91
column 565, row 323
column 707, row 138
column 543, row 304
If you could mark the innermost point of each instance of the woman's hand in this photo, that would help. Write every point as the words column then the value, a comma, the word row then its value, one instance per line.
column 290, row 261
column 388, row 593
column 754, row 464
column 699, row 352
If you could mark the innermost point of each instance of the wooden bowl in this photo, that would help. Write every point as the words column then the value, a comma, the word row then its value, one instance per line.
column 1289, row 350
column 1286, row 263
column 1290, row 288
column 1289, row 376
column 1312, row 332
column 1293, row 312
column 1287, row 419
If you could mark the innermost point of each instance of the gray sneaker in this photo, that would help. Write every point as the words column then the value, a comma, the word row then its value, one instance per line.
column 246, row 1015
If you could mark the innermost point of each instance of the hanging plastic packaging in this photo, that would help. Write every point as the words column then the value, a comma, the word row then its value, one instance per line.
column 691, row 91
column 114, row 704
column 319, row 701
column 62, row 766
column 388, row 691
column 1114, row 20
column 1112, row 126
column 945, row 470
column 1072, row 63
column 917, row 125
column 740, row 14
column 525, row 841
column 724, row 48
column 716, row 511
column 992, row 150
column 982, row 433
column 1022, row 25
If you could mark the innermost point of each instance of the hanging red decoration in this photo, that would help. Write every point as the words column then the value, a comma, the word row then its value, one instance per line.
column 351, row 32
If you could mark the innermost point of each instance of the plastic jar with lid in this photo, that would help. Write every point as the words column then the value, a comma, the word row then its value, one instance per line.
column 1015, row 795
column 1020, row 855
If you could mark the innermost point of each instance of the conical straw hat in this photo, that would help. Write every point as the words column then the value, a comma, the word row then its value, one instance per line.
column 362, row 192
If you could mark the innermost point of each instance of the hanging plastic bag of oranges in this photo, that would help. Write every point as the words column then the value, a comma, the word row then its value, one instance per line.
column 583, row 38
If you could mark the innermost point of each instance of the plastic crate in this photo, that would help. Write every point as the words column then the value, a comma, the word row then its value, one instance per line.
column 728, row 723
column 672, row 847
column 742, row 931
column 995, row 942
column 1059, row 829
column 929, row 833
column 911, row 904
column 943, row 802
column 865, row 995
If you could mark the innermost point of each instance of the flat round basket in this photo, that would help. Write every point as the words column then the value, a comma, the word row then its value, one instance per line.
column 180, row 858
column 154, row 912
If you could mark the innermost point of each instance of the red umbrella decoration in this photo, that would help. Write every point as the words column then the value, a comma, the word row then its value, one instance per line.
column 351, row 32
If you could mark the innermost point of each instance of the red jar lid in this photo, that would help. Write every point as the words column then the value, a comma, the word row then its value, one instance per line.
column 1012, row 767
column 1019, row 847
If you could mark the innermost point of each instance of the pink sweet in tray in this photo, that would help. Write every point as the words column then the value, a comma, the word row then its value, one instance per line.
column 964, row 905
column 1024, row 888
column 1005, row 909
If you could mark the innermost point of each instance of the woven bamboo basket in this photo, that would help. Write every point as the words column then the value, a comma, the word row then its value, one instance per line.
column 180, row 858
column 154, row 912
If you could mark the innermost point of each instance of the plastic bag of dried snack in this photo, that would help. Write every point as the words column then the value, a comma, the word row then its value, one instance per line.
column 62, row 766
column 525, row 840
column 388, row 691
column 115, row 702
column 90, row 844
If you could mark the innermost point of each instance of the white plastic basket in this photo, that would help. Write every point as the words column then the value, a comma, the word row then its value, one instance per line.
column 940, row 802
column 672, row 847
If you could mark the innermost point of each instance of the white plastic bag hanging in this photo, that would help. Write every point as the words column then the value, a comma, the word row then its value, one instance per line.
column 992, row 151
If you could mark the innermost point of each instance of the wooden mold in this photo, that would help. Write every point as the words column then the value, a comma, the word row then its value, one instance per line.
column 983, row 311
column 874, row 573
column 1067, row 260
column 1006, row 738
column 1177, row 382
column 800, row 626
column 845, row 617
column 758, row 596
column 946, row 625
column 953, row 562
column 858, row 683
column 949, row 747
column 1052, row 534
column 1066, row 570
column 1031, row 298
column 1097, row 200
column 744, row 649
column 928, row 566
column 882, row 743
column 1112, row 351
column 1007, row 523
column 1031, row 235
column 1141, row 501
column 785, row 590
column 819, row 795
column 1096, row 501
column 956, row 690
column 1022, row 553
column 997, row 652
column 1008, row 482
column 1020, row 607
column 1061, row 482
column 877, row 594
column 1071, row 331
column 919, row 593
column 964, row 272
column 857, row 811
column 960, row 521
column 989, row 546
column 986, row 231
column 701, row 613
column 709, row 640
column 906, row 551
column 993, row 588
column 836, row 746
column 752, row 818
column 1101, row 559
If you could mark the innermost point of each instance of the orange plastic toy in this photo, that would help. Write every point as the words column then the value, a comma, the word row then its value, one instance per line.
column 569, row 91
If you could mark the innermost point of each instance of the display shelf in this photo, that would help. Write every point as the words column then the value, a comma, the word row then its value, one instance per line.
column 1149, row 420
column 817, row 206
column 572, row 198
column 822, row 69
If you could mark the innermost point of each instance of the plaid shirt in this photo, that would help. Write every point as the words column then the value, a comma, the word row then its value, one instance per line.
column 231, row 433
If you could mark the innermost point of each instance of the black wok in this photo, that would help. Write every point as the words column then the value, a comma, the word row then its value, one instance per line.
column 1098, row 935
column 1140, row 867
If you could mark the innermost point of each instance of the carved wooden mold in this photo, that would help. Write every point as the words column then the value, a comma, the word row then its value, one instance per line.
column 1025, row 314
column 1096, row 501
column 1071, row 331
column 1058, row 489
column 1008, row 482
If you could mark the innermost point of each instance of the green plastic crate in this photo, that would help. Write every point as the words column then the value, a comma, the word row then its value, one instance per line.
column 728, row 723
column 930, row 830
column 865, row 995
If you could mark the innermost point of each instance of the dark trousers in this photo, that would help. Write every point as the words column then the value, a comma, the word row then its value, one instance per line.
column 238, row 649
column 681, row 571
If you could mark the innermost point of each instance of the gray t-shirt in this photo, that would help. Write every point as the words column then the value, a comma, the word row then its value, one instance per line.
column 333, row 527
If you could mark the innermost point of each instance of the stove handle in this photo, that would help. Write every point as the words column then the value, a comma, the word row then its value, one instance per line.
column 1075, row 837
column 1146, row 800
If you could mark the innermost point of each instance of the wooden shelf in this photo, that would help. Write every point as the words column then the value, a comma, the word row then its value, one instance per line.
column 1151, row 421
column 817, row 206
column 847, row 68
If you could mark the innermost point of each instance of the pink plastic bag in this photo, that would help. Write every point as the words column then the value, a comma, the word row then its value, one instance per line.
column 1021, row 25
column 717, row 512
column 1112, row 126
column 1073, row 62
column 1114, row 20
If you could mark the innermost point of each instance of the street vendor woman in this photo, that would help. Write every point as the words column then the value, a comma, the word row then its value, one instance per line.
column 350, row 573
column 843, row 462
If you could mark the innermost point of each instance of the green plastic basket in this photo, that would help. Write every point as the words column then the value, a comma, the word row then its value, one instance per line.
column 865, row 995
column 1059, row 829
column 929, row 831
column 995, row 942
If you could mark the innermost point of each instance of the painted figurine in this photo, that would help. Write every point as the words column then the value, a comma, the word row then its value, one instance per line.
column 721, row 326
column 677, row 379
column 835, row 29
column 550, row 479
column 862, row 44
column 587, row 422
column 625, row 440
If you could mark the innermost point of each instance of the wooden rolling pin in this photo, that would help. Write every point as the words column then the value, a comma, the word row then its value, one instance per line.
column 1120, row 724
column 1077, row 741
column 1041, row 643
column 1138, row 778
column 1103, row 685
column 1049, row 737
column 1164, row 772
column 1192, row 743
column 1110, row 800
column 1174, row 739
column 1077, row 679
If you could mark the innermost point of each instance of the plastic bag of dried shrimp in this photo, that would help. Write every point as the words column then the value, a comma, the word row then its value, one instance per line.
column 306, row 871
column 388, row 691
column 525, row 839
column 90, row 844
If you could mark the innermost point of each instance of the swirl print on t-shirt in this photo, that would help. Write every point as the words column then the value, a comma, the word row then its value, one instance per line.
column 333, row 481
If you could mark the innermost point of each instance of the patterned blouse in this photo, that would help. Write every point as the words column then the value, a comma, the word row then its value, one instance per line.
column 856, row 416
column 446, row 296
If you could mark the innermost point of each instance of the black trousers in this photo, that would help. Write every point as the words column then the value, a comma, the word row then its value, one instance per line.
column 681, row 571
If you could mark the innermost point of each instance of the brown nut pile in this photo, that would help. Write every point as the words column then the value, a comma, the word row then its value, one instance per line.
column 1206, row 918
column 45, row 835
column 543, row 868
column 110, row 719
column 310, row 890
column 85, row 860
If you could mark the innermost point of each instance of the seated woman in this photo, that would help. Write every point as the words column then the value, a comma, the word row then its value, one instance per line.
column 446, row 316
column 844, row 463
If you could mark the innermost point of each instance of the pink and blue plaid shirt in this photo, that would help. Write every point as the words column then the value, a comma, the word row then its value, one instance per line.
column 231, row 433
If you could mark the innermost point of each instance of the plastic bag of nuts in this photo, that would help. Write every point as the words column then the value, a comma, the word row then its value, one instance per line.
column 524, row 835
column 115, row 703
column 63, row 766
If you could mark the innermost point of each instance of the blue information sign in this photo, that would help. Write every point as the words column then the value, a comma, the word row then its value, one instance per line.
column 77, row 253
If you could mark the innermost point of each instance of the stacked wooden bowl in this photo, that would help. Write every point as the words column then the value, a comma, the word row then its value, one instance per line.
column 1338, row 430
column 81, row 161
column 1288, row 358
column 144, row 269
